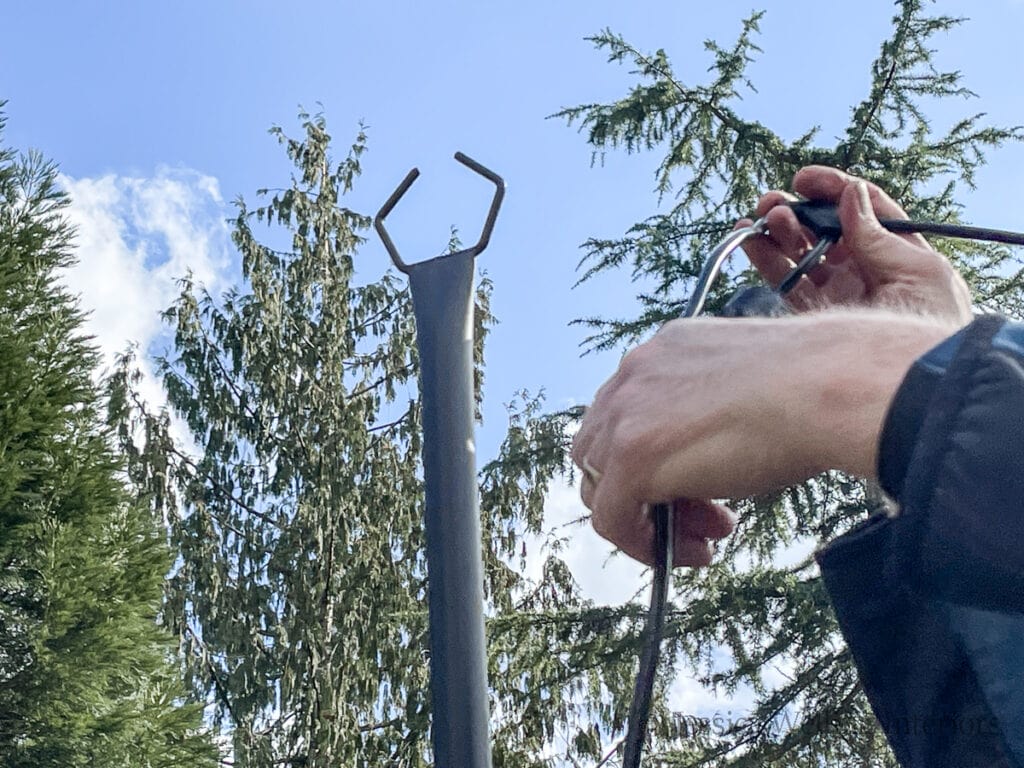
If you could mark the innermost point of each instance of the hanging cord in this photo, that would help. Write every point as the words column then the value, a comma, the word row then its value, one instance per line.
column 822, row 218
column 640, row 708
column 664, row 536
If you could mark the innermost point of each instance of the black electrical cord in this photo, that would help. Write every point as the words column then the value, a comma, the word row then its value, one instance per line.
column 664, row 538
column 640, row 708
column 822, row 218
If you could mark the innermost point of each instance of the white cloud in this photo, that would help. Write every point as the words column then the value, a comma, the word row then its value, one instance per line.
column 136, row 237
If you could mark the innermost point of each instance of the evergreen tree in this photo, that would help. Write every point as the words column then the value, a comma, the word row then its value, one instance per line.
column 715, row 162
column 295, row 504
column 87, row 677
column 299, row 594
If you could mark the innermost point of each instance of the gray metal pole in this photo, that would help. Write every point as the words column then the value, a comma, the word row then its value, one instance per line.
column 442, row 296
column 442, row 293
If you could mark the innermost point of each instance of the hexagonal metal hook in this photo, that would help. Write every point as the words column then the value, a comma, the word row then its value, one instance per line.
column 492, row 214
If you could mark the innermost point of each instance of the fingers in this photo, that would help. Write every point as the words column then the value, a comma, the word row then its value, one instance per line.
column 703, row 519
column 632, row 532
column 621, row 516
column 772, row 254
column 773, row 199
column 696, row 524
column 775, row 254
column 882, row 253
column 818, row 182
column 692, row 551
column 582, row 442
column 588, row 484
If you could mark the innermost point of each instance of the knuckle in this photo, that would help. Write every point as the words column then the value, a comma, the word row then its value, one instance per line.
column 631, row 439
column 577, row 450
column 633, row 361
column 602, row 526
column 584, row 496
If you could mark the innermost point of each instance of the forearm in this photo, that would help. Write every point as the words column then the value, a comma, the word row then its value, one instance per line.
column 856, row 362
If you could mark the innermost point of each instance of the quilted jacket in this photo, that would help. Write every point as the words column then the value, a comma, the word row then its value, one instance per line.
column 931, row 598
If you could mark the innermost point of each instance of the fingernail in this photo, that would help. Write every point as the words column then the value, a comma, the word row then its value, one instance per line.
column 864, row 200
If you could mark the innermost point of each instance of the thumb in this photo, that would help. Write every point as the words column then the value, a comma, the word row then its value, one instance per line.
column 871, row 245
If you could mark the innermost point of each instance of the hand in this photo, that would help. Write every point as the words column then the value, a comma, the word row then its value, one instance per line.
column 725, row 408
column 869, row 266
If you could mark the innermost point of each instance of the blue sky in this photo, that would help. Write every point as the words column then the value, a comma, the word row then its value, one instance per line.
column 158, row 114
column 136, row 89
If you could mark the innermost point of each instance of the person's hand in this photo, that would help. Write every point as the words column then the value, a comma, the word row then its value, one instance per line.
column 725, row 408
column 869, row 266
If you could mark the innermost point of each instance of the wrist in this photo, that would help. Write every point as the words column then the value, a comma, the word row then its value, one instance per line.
column 861, row 358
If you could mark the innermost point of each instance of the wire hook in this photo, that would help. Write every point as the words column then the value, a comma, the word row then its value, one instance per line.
column 492, row 213
column 715, row 261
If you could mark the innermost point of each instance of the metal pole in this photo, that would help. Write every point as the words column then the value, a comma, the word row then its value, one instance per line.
column 442, row 295
column 442, row 292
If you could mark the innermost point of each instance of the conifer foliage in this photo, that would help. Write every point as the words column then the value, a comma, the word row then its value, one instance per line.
column 287, row 464
column 87, row 677
column 715, row 162
column 294, row 499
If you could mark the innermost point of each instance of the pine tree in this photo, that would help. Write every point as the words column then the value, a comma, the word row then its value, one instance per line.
column 87, row 677
column 715, row 162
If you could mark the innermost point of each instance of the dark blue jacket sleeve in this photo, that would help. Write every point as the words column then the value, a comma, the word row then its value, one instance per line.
column 931, row 600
